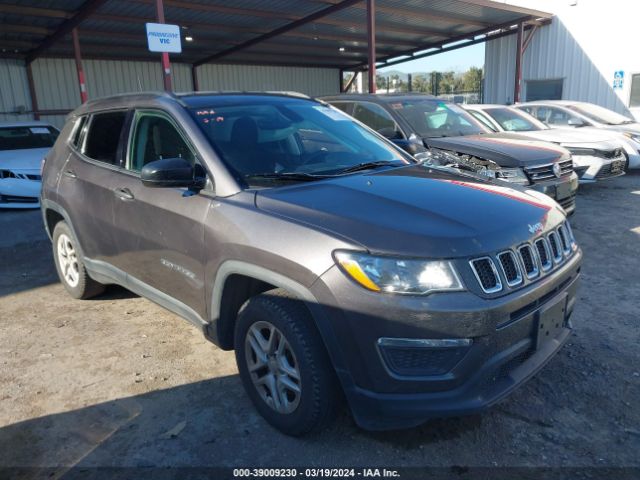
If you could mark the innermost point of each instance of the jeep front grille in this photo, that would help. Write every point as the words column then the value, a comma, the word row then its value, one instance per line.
column 564, row 239
column 544, row 254
column 526, row 262
column 555, row 247
column 510, row 268
column 486, row 274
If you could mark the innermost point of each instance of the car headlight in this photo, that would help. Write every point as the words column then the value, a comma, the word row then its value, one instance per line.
column 633, row 136
column 398, row 275
column 513, row 175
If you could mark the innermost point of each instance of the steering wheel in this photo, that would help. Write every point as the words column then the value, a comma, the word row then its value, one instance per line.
column 315, row 157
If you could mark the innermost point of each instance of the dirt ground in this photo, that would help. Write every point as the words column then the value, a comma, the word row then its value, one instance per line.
column 119, row 382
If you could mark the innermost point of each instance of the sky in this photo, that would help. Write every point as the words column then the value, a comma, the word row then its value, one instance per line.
column 457, row 60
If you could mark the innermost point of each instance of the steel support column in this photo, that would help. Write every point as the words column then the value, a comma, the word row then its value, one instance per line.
column 351, row 81
column 166, row 66
column 371, row 38
column 32, row 93
column 518, row 76
column 78, row 57
column 194, row 78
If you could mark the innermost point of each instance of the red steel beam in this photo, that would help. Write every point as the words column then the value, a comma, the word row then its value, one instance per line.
column 527, row 40
column 166, row 66
column 279, row 31
column 371, row 37
column 78, row 58
column 67, row 26
column 412, row 54
column 518, row 75
column 350, row 82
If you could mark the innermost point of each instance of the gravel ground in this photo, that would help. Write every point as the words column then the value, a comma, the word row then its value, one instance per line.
column 119, row 382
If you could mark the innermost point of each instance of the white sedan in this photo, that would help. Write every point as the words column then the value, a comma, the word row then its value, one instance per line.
column 597, row 154
column 581, row 115
column 23, row 145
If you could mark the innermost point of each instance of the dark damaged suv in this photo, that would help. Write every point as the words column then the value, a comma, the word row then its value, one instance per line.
column 330, row 261
column 417, row 122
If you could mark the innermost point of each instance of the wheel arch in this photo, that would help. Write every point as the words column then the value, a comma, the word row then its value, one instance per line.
column 236, row 282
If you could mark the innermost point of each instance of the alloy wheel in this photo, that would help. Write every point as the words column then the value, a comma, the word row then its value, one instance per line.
column 68, row 261
column 273, row 367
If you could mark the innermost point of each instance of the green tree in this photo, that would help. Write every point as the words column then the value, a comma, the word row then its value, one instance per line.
column 421, row 83
column 446, row 83
column 472, row 79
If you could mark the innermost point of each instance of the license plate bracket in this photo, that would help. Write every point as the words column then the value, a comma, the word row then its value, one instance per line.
column 563, row 190
column 551, row 320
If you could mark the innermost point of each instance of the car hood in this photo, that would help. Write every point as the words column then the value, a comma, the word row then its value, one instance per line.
column 506, row 149
column 416, row 211
column 573, row 137
column 22, row 160
column 626, row 128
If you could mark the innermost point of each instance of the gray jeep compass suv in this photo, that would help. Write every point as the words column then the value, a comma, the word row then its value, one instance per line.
column 330, row 261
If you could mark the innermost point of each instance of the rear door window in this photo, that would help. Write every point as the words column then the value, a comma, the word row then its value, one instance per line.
column 103, row 136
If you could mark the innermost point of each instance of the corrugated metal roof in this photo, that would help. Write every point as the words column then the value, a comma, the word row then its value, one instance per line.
column 116, row 29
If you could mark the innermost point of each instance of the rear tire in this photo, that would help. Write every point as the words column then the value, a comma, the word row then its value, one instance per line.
column 283, row 363
column 70, row 266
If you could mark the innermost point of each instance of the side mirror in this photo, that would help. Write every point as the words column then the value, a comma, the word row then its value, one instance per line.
column 575, row 122
column 170, row 172
column 408, row 146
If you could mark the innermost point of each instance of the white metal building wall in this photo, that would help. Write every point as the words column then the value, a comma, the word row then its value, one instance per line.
column 310, row 81
column 552, row 54
column 14, row 90
column 584, row 45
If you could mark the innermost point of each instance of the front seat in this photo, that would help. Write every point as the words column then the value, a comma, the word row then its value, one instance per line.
column 246, row 154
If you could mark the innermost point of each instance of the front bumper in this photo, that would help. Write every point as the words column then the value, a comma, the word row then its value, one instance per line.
column 506, row 348
column 19, row 193
column 562, row 190
column 591, row 169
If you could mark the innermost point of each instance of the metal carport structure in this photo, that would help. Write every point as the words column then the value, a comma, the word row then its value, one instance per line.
column 348, row 35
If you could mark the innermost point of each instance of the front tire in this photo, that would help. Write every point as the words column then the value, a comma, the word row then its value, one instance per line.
column 70, row 266
column 283, row 364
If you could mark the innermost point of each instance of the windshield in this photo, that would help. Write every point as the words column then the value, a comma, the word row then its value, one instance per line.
column 512, row 120
column 599, row 114
column 23, row 138
column 433, row 118
column 288, row 139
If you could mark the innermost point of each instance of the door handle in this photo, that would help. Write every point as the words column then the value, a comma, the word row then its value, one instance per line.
column 70, row 174
column 123, row 194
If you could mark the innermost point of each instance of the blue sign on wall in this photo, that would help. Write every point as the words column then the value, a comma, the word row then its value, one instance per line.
column 618, row 80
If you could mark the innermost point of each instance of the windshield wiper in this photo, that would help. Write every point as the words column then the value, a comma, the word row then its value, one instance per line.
column 287, row 176
column 370, row 165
